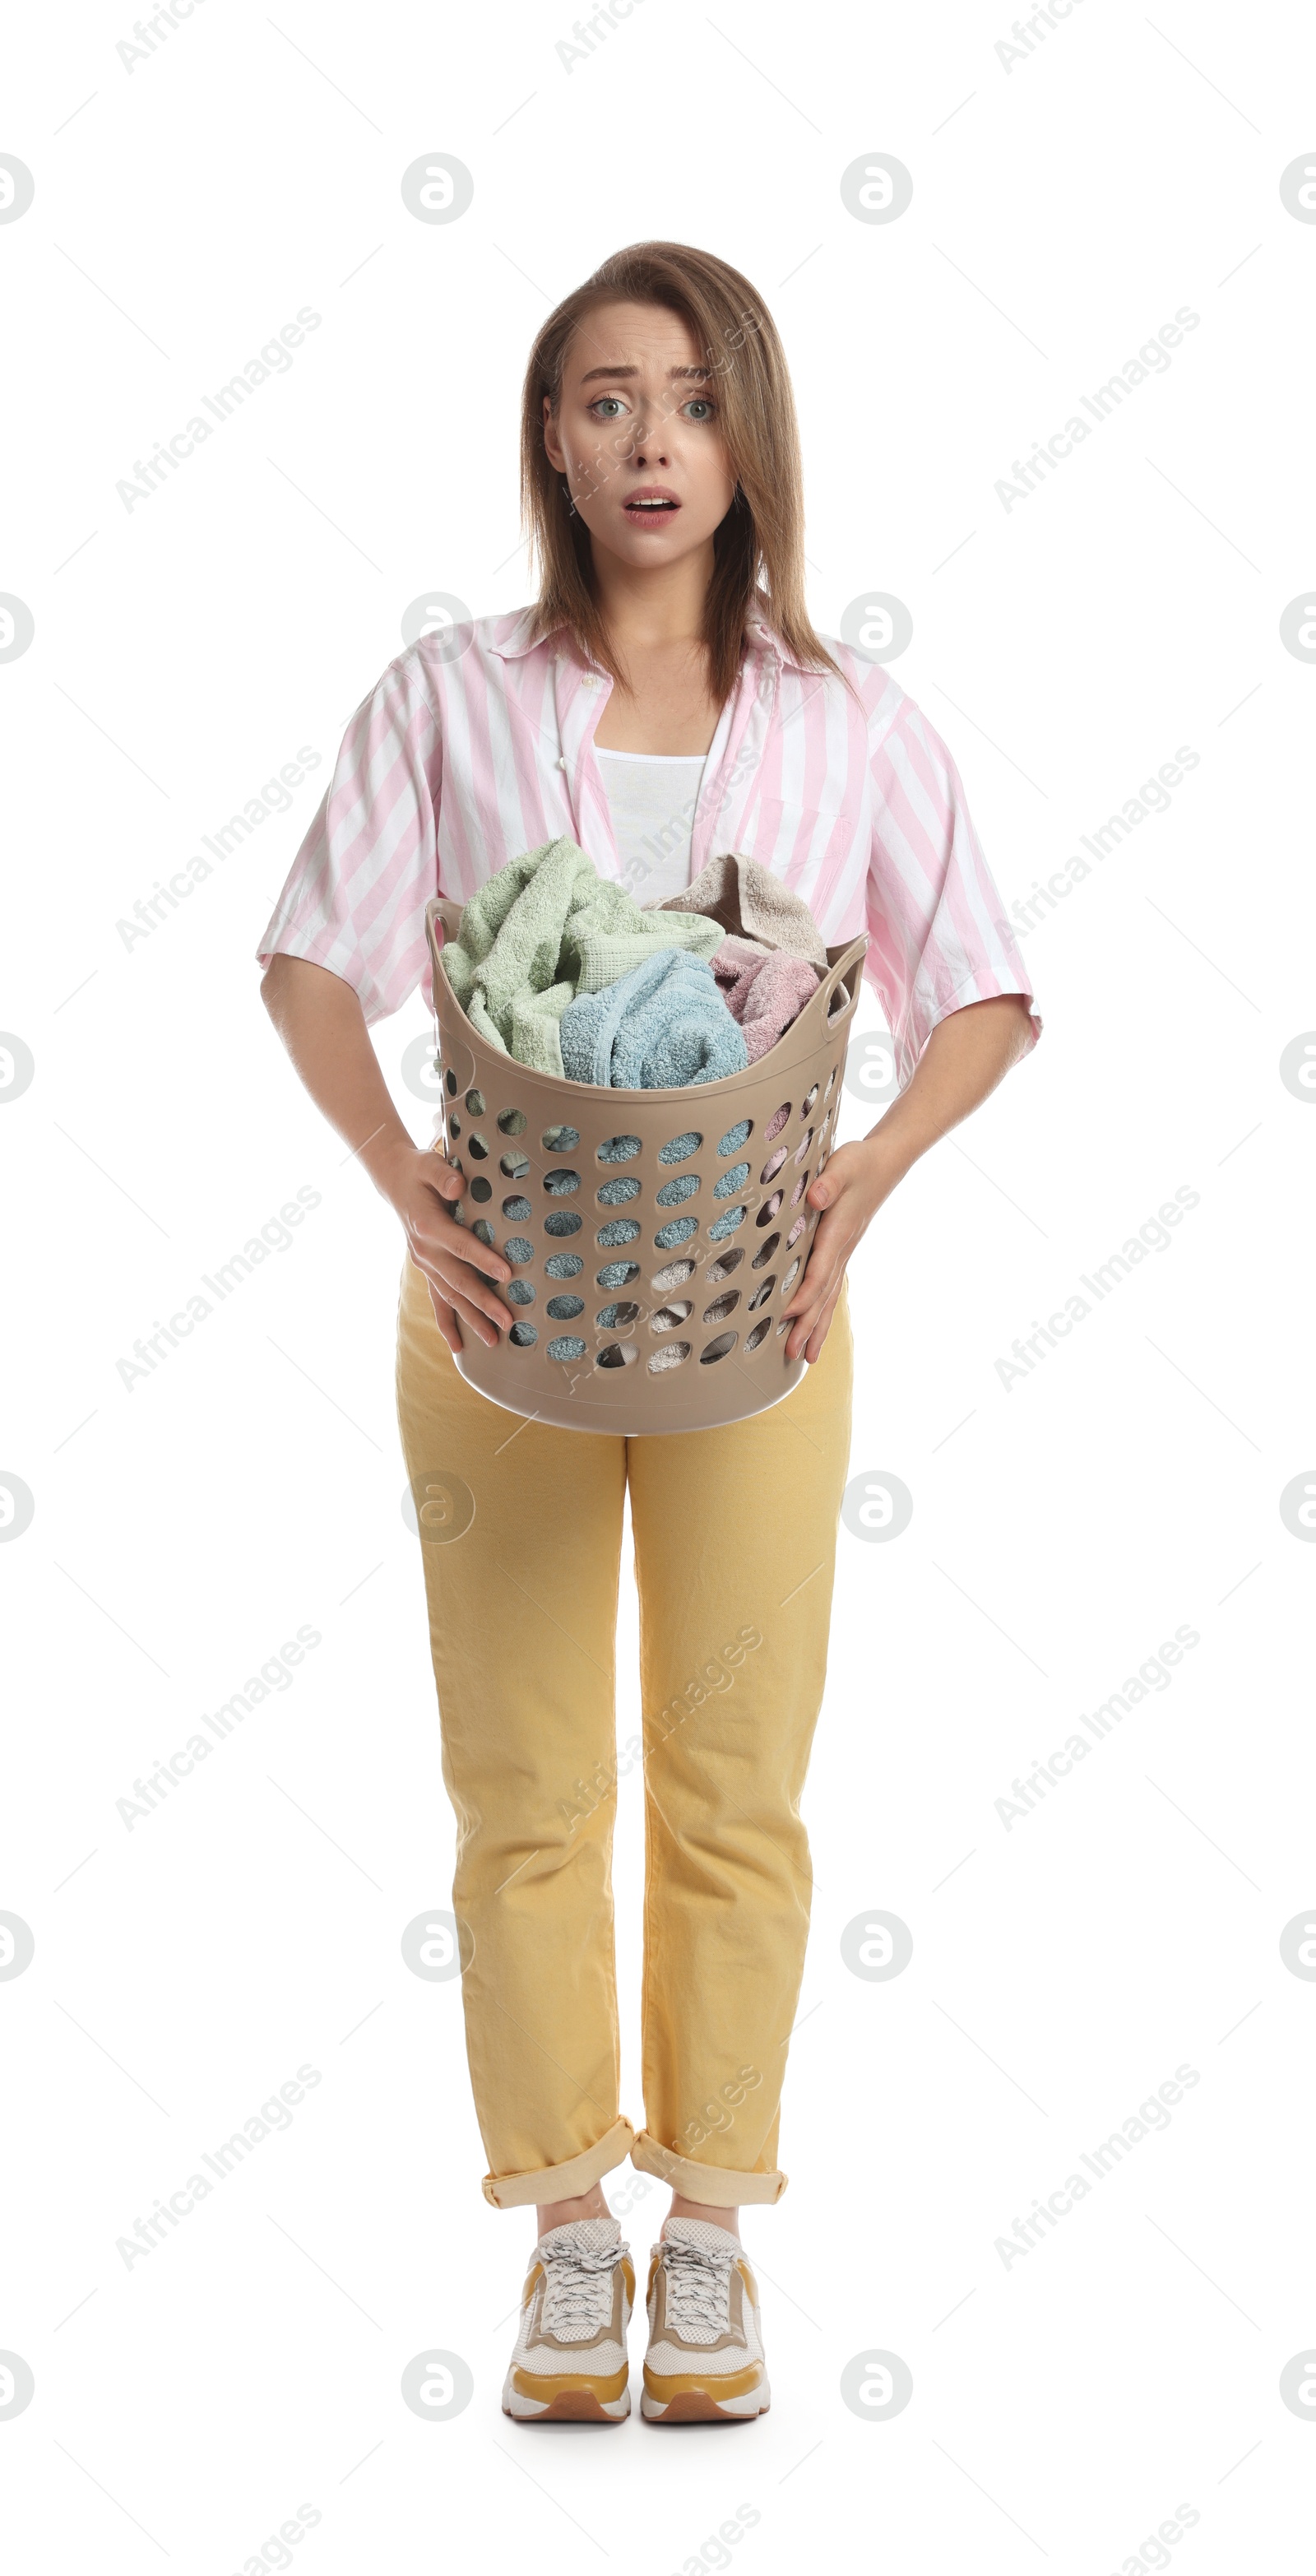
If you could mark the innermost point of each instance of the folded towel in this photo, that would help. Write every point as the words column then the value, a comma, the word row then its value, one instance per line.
column 752, row 904
column 764, row 988
column 544, row 928
column 662, row 1025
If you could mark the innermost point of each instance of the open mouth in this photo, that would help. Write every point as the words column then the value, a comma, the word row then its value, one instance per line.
column 651, row 505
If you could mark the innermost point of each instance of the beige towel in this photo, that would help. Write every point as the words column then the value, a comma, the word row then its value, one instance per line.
column 751, row 903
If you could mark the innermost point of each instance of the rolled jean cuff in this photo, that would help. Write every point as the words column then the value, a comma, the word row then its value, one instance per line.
column 716, row 2185
column 561, row 2182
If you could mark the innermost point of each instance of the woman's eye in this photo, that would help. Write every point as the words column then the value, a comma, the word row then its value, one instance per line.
column 701, row 408
column 608, row 406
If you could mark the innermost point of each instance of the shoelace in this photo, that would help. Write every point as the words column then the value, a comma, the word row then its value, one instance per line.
column 698, row 2287
column 578, row 2289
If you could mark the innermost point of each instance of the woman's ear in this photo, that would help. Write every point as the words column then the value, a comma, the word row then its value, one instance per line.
column 552, row 443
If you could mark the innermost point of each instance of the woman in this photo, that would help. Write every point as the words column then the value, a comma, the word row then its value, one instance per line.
column 666, row 700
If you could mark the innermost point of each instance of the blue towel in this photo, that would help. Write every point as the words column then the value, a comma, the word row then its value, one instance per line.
column 661, row 1026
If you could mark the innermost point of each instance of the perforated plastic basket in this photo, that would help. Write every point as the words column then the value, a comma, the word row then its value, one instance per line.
column 654, row 1235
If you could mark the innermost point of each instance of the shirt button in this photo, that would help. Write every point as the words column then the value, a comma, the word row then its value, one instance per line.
column 562, row 764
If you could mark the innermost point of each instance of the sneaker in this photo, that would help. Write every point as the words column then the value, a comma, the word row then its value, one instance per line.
column 705, row 2356
column 569, row 2362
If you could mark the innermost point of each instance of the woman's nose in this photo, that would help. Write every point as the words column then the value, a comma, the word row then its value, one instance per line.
column 647, row 445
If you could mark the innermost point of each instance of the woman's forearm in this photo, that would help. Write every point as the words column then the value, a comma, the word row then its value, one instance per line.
column 323, row 1027
column 964, row 1059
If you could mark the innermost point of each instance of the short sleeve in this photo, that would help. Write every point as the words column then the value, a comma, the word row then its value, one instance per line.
column 356, row 892
column 938, row 933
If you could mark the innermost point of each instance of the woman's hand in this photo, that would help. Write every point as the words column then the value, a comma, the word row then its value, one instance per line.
column 462, row 1274
column 322, row 1025
column 964, row 1059
column 850, row 1191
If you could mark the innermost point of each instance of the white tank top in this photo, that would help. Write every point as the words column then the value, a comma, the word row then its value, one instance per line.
column 652, row 797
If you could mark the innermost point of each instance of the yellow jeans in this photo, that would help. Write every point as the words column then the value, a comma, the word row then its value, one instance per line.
column 735, row 1537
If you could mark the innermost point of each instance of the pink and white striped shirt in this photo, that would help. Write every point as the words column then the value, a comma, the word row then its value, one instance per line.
column 477, row 744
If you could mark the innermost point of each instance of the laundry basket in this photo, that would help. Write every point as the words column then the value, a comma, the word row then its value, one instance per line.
column 654, row 1236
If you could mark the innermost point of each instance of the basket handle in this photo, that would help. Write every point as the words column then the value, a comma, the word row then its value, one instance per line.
column 845, row 971
column 447, row 914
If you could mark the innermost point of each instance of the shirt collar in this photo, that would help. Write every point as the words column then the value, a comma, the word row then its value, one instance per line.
column 520, row 639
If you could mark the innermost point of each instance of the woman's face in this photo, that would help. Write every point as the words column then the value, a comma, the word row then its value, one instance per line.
column 638, row 435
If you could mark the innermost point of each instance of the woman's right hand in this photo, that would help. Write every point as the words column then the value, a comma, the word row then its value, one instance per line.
column 423, row 1186
column 322, row 1024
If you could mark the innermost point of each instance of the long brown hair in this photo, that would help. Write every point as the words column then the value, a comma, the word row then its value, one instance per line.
column 759, row 547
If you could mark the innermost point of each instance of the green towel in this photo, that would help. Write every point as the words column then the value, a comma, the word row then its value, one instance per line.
column 545, row 928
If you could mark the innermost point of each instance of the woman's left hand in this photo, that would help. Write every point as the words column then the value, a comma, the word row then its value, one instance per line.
column 850, row 1191
column 962, row 1062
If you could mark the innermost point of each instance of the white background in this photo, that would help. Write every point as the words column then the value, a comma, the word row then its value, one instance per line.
column 1064, row 208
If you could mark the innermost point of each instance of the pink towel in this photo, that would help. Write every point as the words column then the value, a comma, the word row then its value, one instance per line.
column 764, row 988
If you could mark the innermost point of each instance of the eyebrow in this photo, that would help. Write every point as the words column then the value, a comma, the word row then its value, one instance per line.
column 699, row 375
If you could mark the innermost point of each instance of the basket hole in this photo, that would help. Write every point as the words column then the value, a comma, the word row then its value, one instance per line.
column 514, row 1166
column 776, row 1122
column 735, row 1137
column 616, row 1193
column 564, row 1309
column 511, row 1122
column 791, row 1275
column 785, row 1324
column 481, row 1190
column 721, row 1307
column 722, row 1269
column 483, row 1231
column 564, row 1346
column 516, row 1210
column 618, row 1149
column 620, row 1229
column 560, row 1140
column 618, row 1318
column 796, row 1231
column 616, row 1274
column 560, row 1184
column 451, row 1079
column 717, row 1350
column 523, row 1337
column 773, row 1165
column 518, row 1292
column 669, row 1357
column 803, row 1146
column 766, row 1251
column 759, row 1298
column 674, row 1276
column 679, row 1231
column 731, row 1181
column 454, row 1123
column 563, row 1265
column 616, row 1355
column 673, row 1192
column 806, row 1104
column 562, row 1221
column 827, row 1088
column 680, row 1148
column 478, row 1148
column 800, row 1187
column 727, row 1224
column 668, row 1317
column 517, row 1248
column 769, row 1208
column 759, row 1334
column 475, row 1103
